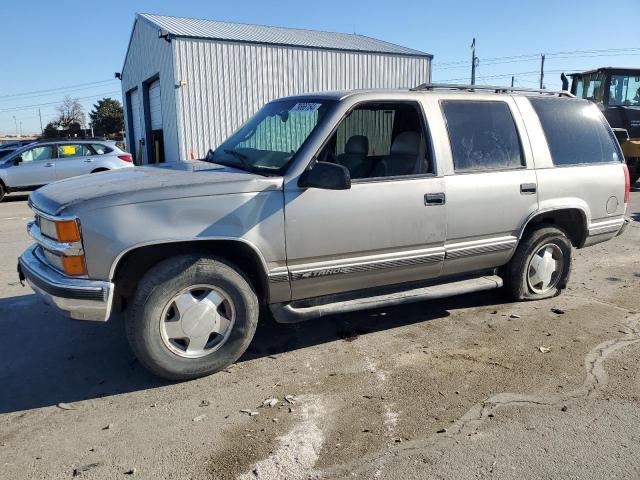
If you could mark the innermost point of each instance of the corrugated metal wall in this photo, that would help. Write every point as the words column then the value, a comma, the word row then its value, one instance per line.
column 226, row 82
column 148, row 56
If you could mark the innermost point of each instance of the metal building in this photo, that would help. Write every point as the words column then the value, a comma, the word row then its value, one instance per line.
column 189, row 83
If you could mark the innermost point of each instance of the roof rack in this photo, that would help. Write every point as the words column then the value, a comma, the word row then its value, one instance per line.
column 495, row 89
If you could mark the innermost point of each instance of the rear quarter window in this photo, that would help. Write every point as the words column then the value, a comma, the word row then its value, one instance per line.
column 101, row 149
column 576, row 132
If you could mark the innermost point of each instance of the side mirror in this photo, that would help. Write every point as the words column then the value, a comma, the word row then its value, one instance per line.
column 17, row 160
column 325, row 175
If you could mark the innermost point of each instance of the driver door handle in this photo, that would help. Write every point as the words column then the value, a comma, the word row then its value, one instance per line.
column 433, row 199
column 48, row 164
column 88, row 160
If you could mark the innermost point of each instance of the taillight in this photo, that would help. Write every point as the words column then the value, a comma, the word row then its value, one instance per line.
column 126, row 158
column 627, row 183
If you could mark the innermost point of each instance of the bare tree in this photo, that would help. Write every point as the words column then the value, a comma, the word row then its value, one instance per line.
column 71, row 114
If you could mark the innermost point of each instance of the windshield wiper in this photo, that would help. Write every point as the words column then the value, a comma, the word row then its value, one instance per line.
column 242, row 157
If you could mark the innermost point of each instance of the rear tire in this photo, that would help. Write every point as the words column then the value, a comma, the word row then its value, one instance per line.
column 200, row 298
column 98, row 170
column 540, row 266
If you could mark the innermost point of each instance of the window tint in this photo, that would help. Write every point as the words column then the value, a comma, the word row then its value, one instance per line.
column 576, row 131
column 101, row 149
column 483, row 135
column 35, row 154
column 380, row 140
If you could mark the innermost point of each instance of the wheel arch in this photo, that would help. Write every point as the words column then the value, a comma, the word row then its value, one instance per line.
column 133, row 263
column 573, row 220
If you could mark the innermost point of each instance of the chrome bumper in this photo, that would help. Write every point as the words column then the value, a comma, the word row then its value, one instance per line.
column 79, row 298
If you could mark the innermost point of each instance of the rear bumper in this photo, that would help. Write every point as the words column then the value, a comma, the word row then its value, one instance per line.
column 79, row 298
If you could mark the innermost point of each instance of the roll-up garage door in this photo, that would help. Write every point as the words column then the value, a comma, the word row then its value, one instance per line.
column 155, row 107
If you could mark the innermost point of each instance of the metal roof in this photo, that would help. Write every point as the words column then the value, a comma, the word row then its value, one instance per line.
column 242, row 32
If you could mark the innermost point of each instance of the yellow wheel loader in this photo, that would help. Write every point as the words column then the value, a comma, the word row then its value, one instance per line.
column 616, row 91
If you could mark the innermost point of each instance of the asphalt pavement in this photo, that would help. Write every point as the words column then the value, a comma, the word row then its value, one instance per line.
column 461, row 388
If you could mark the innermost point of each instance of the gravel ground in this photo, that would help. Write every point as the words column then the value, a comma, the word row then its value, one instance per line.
column 456, row 388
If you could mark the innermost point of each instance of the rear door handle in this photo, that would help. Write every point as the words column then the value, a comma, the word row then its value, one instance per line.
column 528, row 188
column 48, row 164
column 432, row 199
column 88, row 160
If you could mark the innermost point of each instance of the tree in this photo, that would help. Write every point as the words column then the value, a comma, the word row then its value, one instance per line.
column 51, row 130
column 107, row 116
column 70, row 113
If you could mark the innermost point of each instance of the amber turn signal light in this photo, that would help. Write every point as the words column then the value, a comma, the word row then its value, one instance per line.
column 68, row 231
column 74, row 265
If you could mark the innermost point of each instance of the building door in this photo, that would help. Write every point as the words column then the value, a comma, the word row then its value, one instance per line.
column 136, row 127
column 155, row 112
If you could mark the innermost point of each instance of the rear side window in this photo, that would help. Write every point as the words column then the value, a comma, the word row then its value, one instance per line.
column 101, row 149
column 71, row 150
column 483, row 135
column 576, row 132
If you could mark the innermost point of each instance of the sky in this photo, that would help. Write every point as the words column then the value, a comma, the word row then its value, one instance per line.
column 53, row 49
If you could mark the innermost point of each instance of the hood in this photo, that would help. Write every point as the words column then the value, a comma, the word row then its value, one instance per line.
column 149, row 183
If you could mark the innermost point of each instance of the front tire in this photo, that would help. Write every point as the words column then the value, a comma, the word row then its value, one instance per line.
column 191, row 316
column 540, row 266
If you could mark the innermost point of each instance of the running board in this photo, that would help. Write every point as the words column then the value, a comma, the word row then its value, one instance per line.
column 290, row 313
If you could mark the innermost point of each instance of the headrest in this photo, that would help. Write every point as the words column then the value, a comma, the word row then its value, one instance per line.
column 406, row 143
column 357, row 144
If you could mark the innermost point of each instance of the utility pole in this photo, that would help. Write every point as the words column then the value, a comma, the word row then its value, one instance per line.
column 16, row 122
column 512, row 80
column 40, row 115
column 20, row 127
column 474, row 60
column 542, row 72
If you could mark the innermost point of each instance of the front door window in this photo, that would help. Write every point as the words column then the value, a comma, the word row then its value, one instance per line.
column 45, row 152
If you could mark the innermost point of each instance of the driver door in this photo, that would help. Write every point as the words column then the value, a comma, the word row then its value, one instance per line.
column 389, row 227
column 36, row 168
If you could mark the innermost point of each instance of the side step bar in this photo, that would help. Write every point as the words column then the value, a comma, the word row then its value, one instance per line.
column 290, row 313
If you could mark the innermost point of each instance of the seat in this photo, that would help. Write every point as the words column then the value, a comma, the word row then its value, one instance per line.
column 406, row 155
column 355, row 156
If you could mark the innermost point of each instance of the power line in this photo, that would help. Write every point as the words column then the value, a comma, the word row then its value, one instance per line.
column 57, row 89
column 49, row 94
column 26, row 107
column 536, row 56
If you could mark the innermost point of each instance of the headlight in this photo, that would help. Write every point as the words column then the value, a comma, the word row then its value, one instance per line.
column 66, row 231
column 63, row 232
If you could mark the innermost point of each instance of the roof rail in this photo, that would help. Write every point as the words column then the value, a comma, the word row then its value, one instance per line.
column 71, row 139
column 495, row 89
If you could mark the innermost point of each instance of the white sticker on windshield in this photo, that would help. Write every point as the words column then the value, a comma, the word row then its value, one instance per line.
column 305, row 107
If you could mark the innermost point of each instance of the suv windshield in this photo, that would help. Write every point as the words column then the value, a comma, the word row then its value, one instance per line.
column 269, row 140
column 625, row 90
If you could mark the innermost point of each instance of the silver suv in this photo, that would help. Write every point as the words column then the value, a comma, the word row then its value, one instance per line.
column 329, row 203
column 40, row 163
